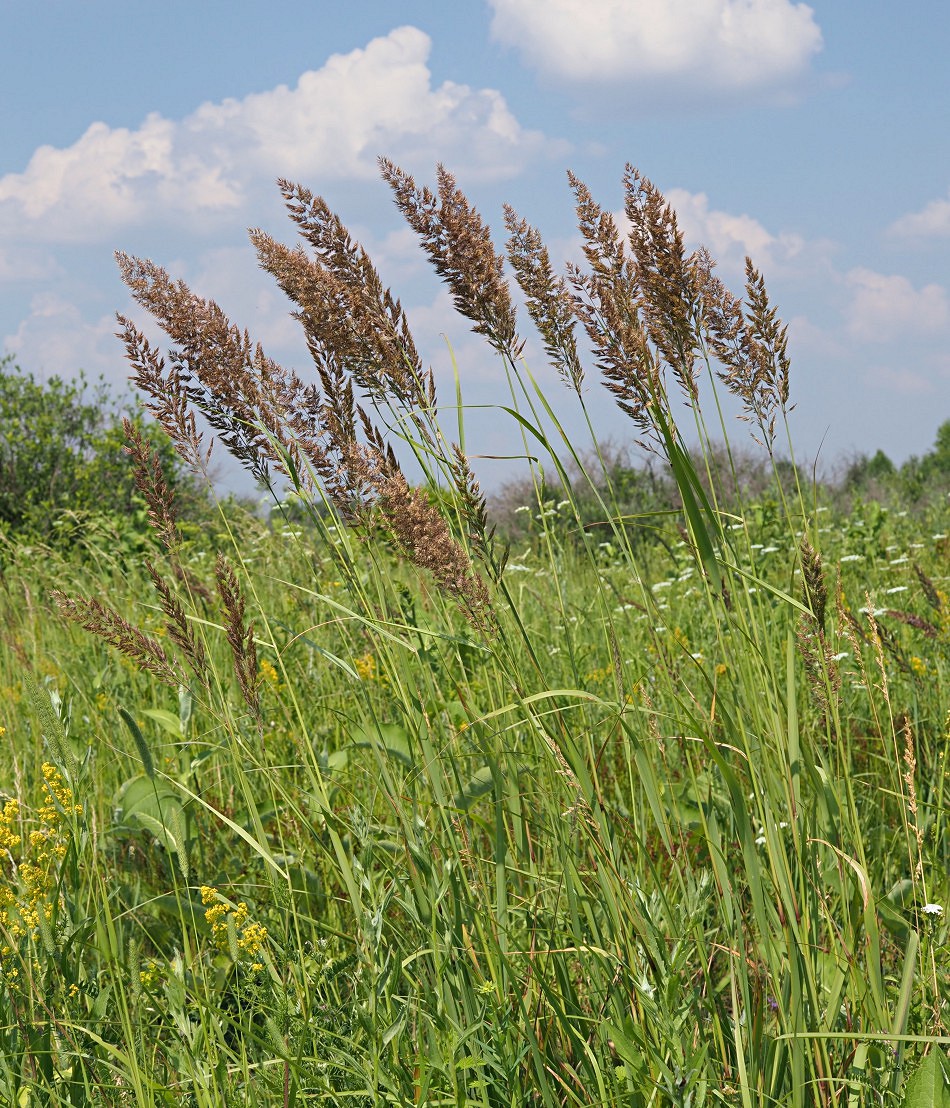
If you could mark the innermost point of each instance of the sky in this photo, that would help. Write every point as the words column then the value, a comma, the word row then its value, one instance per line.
column 813, row 138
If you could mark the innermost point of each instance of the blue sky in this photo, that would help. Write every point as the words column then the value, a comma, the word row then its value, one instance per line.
column 813, row 138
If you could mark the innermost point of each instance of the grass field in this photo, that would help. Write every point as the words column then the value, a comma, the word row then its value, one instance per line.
column 364, row 806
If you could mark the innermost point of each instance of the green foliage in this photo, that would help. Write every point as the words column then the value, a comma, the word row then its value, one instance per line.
column 63, row 466
column 654, row 824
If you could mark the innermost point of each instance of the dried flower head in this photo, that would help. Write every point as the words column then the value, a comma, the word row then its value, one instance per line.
column 752, row 345
column 460, row 247
column 422, row 534
column 607, row 301
column 668, row 287
column 548, row 298
column 105, row 622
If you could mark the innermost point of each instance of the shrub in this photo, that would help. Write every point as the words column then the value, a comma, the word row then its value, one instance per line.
column 63, row 451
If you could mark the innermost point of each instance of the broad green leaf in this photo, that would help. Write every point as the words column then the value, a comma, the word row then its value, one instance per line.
column 928, row 1086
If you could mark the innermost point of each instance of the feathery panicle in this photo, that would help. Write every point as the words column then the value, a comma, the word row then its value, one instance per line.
column 929, row 589
column 240, row 638
column 814, row 589
column 821, row 669
column 169, row 402
column 474, row 512
column 910, row 619
column 607, row 301
column 245, row 396
column 751, row 344
column 549, row 300
column 105, row 622
column 460, row 247
column 423, row 535
column 179, row 629
column 668, row 290
column 151, row 483
column 349, row 318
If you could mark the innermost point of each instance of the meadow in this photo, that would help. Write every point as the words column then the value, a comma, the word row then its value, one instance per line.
column 368, row 803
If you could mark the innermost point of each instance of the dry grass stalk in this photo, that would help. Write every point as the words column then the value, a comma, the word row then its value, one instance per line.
column 915, row 621
column 548, row 298
column 251, row 401
column 910, row 781
column 459, row 244
column 814, row 589
column 929, row 589
column 103, row 621
column 351, row 321
column 751, row 343
column 180, row 631
column 240, row 637
column 151, row 483
column 669, row 284
column 607, row 301
column 422, row 534
column 821, row 669
column 169, row 402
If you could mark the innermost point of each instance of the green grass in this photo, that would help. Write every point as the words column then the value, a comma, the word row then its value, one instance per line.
column 662, row 823
column 620, row 854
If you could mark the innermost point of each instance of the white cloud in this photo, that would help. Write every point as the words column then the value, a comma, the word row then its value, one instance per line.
column 55, row 339
column 722, row 45
column 333, row 123
column 932, row 221
column 729, row 237
column 883, row 307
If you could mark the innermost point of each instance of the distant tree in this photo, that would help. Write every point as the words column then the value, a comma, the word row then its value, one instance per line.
column 940, row 455
column 864, row 471
column 62, row 448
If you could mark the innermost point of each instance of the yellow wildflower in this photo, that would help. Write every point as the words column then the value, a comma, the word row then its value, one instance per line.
column 365, row 666
column 267, row 673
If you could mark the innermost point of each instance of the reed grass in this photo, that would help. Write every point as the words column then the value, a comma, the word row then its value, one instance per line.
column 377, row 810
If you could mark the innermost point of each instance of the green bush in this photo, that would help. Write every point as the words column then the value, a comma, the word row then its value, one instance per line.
column 62, row 458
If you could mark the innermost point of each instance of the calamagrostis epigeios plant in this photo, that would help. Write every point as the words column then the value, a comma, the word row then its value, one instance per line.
column 459, row 245
column 321, row 434
column 751, row 343
column 647, row 309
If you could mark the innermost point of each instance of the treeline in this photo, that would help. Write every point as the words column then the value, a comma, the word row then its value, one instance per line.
column 64, row 471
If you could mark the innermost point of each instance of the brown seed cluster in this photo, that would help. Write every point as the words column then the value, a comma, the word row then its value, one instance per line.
column 650, row 313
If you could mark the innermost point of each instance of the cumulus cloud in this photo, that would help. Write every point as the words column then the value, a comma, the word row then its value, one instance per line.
column 884, row 306
column 332, row 124
column 932, row 221
column 729, row 237
column 720, row 45
column 55, row 338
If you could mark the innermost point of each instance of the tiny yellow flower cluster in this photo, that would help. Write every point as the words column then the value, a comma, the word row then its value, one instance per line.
column 918, row 665
column 599, row 676
column 365, row 666
column 32, row 875
column 267, row 674
column 222, row 917
column 150, row 973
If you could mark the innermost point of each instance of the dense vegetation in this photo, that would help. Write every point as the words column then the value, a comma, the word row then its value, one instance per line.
column 63, row 464
column 643, row 803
